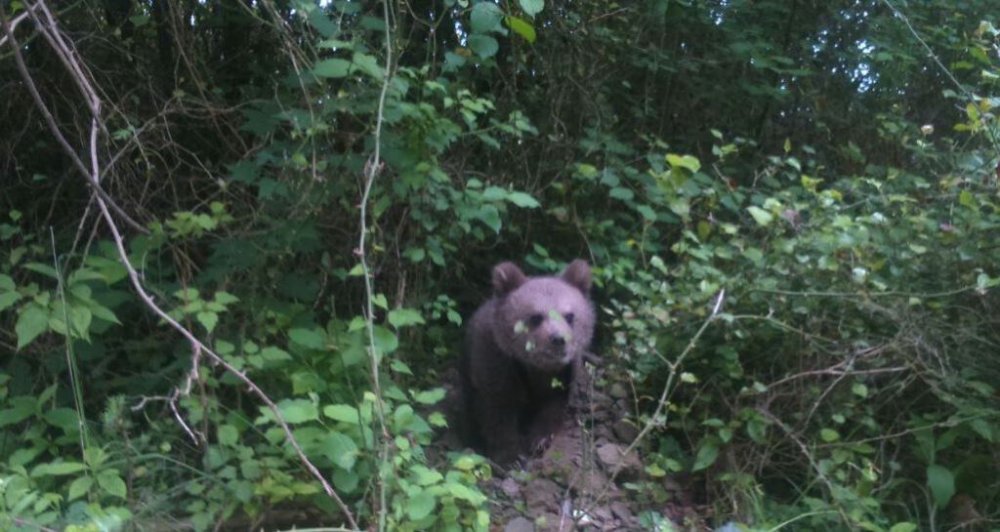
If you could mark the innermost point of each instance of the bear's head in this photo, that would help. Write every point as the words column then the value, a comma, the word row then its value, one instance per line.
column 545, row 322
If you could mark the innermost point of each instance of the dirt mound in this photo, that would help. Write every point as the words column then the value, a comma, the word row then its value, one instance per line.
column 585, row 477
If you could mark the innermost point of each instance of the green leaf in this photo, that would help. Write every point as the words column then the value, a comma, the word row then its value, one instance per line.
column 420, row 505
column 318, row 19
column 332, row 68
column 368, row 65
column 485, row 17
column 466, row 462
column 860, row 390
column 400, row 367
column 225, row 298
column 385, row 340
column 403, row 317
column 345, row 481
column 689, row 162
column 437, row 419
column 429, row 397
column 829, row 435
column 21, row 408
column 341, row 450
column 7, row 283
column 208, row 320
column 761, row 216
column 310, row 338
column 187, row 294
column 405, row 419
column 112, row 483
column 425, row 476
column 274, row 354
column 43, row 269
column 522, row 28
column 7, row 299
column 103, row 313
column 647, row 212
column 523, row 200
column 621, row 193
column 494, row 194
column 33, row 321
column 461, row 491
column 335, row 44
column 490, row 216
column 228, row 435
column 707, row 454
column 483, row 45
column 757, row 430
column 79, row 487
column 941, row 481
column 531, row 7
column 81, row 318
column 298, row 410
column 56, row 469
column 681, row 207
column 344, row 413
column 63, row 418
column 966, row 199
column 905, row 526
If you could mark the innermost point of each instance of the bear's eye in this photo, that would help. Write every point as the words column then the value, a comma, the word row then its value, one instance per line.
column 569, row 318
column 535, row 320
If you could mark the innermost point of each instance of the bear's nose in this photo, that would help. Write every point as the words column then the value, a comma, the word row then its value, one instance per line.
column 558, row 340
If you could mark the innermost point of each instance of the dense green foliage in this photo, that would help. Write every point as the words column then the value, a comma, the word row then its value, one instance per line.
column 815, row 181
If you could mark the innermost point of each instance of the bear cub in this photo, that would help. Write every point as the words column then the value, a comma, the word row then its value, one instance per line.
column 523, row 357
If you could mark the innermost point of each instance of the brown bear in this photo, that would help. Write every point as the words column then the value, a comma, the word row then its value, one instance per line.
column 523, row 356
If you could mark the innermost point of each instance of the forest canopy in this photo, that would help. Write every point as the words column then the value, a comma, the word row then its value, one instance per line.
column 239, row 241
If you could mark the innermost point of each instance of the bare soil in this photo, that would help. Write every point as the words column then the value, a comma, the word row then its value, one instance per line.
column 581, row 477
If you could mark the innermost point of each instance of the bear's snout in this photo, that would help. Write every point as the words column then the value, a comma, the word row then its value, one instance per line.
column 558, row 340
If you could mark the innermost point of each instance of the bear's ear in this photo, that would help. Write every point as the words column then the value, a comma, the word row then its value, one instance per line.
column 578, row 275
column 506, row 278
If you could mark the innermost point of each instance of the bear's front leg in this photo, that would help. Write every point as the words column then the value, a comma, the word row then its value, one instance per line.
column 549, row 419
column 579, row 387
column 499, row 427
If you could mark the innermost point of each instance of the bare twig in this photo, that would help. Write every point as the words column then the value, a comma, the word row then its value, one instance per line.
column 51, row 121
column 13, row 24
column 668, row 387
column 373, row 167
column 805, row 452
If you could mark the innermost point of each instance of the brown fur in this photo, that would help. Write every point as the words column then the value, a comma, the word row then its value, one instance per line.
column 524, row 352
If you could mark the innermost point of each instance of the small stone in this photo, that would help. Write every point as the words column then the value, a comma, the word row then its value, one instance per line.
column 670, row 484
column 612, row 457
column 510, row 487
column 542, row 495
column 621, row 511
column 618, row 391
column 519, row 524
column 625, row 431
column 601, row 514
column 593, row 482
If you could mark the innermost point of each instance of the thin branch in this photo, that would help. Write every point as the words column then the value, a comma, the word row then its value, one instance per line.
column 869, row 295
column 664, row 396
column 372, row 168
column 13, row 24
column 54, row 127
column 930, row 53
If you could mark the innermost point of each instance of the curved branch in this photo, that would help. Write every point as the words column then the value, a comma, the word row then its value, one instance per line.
column 51, row 121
